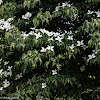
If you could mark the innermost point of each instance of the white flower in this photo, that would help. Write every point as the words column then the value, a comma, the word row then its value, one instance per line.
column 5, row 73
column 51, row 39
column 1, row 71
column 23, row 16
column 32, row 28
column 84, row 47
column 9, row 73
column 59, row 39
column 1, row 2
column 62, row 35
column 31, row 33
column 43, row 30
column 18, row 76
column 49, row 33
column 29, row 82
column 10, row 19
column 23, row 32
column 57, row 8
column 63, row 5
column 79, row 43
column 43, row 49
column 7, row 25
column 1, row 21
column 1, row 88
column 9, row 67
column 54, row 72
column 82, row 69
column 6, row 83
column 44, row 85
column 98, row 14
column 93, row 50
column 1, row 27
column 66, row 4
column 70, row 38
column 50, row 48
column 70, row 32
column 41, row 98
column 27, row 15
column 38, row 35
column 6, row 63
column 24, row 35
column 91, row 56
column 0, row 59
column 56, row 34
column 72, row 46
column 90, row 12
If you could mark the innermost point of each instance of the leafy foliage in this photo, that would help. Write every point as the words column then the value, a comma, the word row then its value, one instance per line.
column 50, row 50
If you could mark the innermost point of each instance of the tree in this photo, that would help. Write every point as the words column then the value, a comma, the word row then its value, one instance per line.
column 50, row 49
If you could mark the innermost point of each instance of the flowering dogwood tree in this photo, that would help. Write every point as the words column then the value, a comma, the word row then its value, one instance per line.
column 50, row 49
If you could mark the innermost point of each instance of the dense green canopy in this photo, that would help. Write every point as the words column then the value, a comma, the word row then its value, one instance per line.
column 50, row 49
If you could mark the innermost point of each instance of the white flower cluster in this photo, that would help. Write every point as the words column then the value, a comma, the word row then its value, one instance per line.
column 79, row 43
column 53, row 35
column 97, row 12
column 6, row 25
column 1, row 2
column 59, row 38
column 5, row 84
column 47, row 48
column 91, row 56
column 66, row 4
column 39, row 33
column 24, row 35
column 63, row 5
column 6, row 73
column 27, row 15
